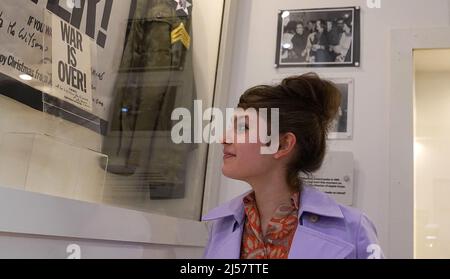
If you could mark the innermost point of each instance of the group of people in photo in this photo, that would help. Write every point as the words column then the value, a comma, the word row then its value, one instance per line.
column 317, row 41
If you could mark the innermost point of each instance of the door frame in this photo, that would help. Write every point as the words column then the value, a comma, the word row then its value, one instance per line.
column 401, row 132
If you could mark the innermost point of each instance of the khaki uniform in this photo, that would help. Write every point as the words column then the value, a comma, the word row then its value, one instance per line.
column 155, row 77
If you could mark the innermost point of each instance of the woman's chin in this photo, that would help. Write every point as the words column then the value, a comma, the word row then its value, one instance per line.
column 229, row 173
column 225, row 172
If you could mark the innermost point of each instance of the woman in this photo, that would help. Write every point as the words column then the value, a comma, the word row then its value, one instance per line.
column 318, row 44
column 299, row 41
column 342, row 51
column 287, row 52
column 282, row 218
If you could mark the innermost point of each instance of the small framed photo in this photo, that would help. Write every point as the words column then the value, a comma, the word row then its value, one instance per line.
column 342, row 126
column 318, row 38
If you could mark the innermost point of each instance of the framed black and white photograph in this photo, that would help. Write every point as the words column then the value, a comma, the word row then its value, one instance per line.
column 342, row 126
column 318, row 38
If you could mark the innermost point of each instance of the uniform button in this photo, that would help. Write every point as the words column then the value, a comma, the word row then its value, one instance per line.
column 313, row 218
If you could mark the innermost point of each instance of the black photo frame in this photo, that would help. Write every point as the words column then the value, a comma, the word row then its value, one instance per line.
column 330, row 38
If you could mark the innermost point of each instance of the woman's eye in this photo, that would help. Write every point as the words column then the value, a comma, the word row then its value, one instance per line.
column 241, row 127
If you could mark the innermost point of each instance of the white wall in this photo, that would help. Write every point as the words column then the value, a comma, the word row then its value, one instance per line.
column 253, row 63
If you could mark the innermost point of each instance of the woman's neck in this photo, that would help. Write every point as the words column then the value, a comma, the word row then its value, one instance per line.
column 270, row 193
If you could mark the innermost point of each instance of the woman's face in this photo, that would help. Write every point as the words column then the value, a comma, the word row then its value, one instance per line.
column 347, row 29
column 319, row 26
column 329, row 26
column 300, row 29
column 242, row 158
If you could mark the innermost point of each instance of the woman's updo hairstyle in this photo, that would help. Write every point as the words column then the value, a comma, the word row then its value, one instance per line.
column 307, row 105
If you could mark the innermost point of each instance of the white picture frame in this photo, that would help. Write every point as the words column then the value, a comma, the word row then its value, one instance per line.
column 342, row 127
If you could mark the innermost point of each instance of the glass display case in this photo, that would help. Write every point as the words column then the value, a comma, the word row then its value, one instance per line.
column 87, row 89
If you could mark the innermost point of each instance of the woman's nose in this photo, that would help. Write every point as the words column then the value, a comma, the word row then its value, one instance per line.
column 227, row 137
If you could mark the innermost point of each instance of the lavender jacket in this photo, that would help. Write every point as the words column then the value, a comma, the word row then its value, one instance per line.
column 326, row 230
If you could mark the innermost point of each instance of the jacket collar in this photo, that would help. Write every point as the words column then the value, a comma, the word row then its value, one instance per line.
column 315, row 202
column 311, row 201
column 234, row 207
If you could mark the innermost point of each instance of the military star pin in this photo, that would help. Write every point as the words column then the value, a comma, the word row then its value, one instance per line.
column 183, row 5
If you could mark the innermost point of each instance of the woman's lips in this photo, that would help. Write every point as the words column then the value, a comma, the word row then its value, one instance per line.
column 227, row 155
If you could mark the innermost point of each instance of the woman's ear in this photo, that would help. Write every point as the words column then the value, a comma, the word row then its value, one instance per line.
column 287, row 145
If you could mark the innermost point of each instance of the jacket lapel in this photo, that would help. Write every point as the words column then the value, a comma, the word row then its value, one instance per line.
column 229, row 235
column 311, row 243
column 230, row 246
